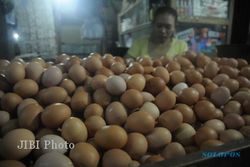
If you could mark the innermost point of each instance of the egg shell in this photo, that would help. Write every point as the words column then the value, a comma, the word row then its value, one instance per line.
column 93, row 124
column 177, row 77
column 233, row 121
column 77, row 73
column 147, row 97
column 162, row 72
column 140, row 121
column 188, row 96
column 111, row 136
column 187, row 113
column 84, row 154
column 179, row 87
column 200, row 88
column 68, row 85
column 216, row 125
column 52, row 76
column 154, row 159
column 116, row 85
column 25, row 103
column 134, row 68
column 117, row 68
column 205, row 133
column 4, row 117
column 93, row 63
column 193, row 76
column 116, row 113
column 173, row 150
column 74, row 130
column 102, row 97
column 53, row 159
column 13, row 163
column 220, row 96
column 9, row 126
column 211, row 69
column 11, row 141
column 55, row 114
column 220, row 78
column 211, row 144
column 158, row 138
column 104, row 71
column 165, row 100
column 230, row 135
column 10, row 101
column 93, row 109
column 136, row 145
column 151, row 108
column 80, row 100
column 155, row 85
column 205, row 110
column 172, row 66
column 15, row 72
column 136, row 81
column 51, row 142
column 132, row 98
column 184, row 134
column 116, row 157
column 26, row 88
column 232, row 106
column 34, row 71
column 98, row 81
column 54, row 94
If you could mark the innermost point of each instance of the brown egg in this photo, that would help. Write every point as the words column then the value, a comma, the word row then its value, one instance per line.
column 177, row 89
column 242, row 63
column 25, row 103
column 136, row 146
column 134, row 68
column 26, row 88
column 12, row 146
column 54, row 94
column 246, row 119
column 104, row 71
column 117, row 68
column 74, row 130
column 162, row 73
column 68, row 85
column 132, row 98
column 9, row 126
column 29, row 117
column 171, row 119
column 155, row 85
column 202, row 60
column 55, row 114
column 204, row 133
column 151, row 108
column 116, row 85
column 177, row 77
column 245, row 71
column 116, row 113
column 184, row 62
column 101, row 97
column 98, row 81
column 141, row 122
column 10, row 101
column 12, row 163
column 232, row 106
column 200, row 88
column 147, row 97
column 205, row 110
column 4, row 117
column 34, row 71
column 158, row 138
column 112, row 136
column 44, row 131
column 165, row 100
column 116, row 158
column 148, row 76
column 53, row 159
column 241, row 96
column 210, row 87
column 245, row 130
column 243, row 82
column 125, row 76
column 77, row 73
column 220, row 78
column 146, row 61
column 80, row 100
column 173, row 150
column 220, row 96
column 233, row 121
column 187, row 113
column 134, row 164
column 216, row 125
column 230, row 71
column 84, row 154
column 148, row 69
column 184, row 134
column 210, row 144
column 93, row 109
column 93, row 124
column 93, row 63
column 136, row 81
column 107, row 60
column 193, row 76
column 188, row 96
column 191, row 149
column 52, row 76
column 15, row 72
column 232, row 84
column 211, row 69
column 154, row 159
column 61, row 58
column 230, row 135
column 173, row 66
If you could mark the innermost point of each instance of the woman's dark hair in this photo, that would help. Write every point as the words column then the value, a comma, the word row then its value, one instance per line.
column 164, row 10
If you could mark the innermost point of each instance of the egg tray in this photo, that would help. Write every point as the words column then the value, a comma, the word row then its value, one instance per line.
column 198, row 160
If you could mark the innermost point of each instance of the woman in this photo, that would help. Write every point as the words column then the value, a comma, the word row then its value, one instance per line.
column 161, row 41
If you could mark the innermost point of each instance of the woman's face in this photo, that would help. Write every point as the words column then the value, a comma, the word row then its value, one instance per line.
column 164, row 27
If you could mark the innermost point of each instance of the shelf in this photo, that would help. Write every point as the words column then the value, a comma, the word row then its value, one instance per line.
column 203, row 20
column 136, row 28
column 129, row 8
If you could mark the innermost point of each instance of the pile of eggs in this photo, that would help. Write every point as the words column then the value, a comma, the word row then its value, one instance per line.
column 114, row 112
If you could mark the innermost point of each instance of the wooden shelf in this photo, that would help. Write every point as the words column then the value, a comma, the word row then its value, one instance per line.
column 204, row 20
column 136, row 28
